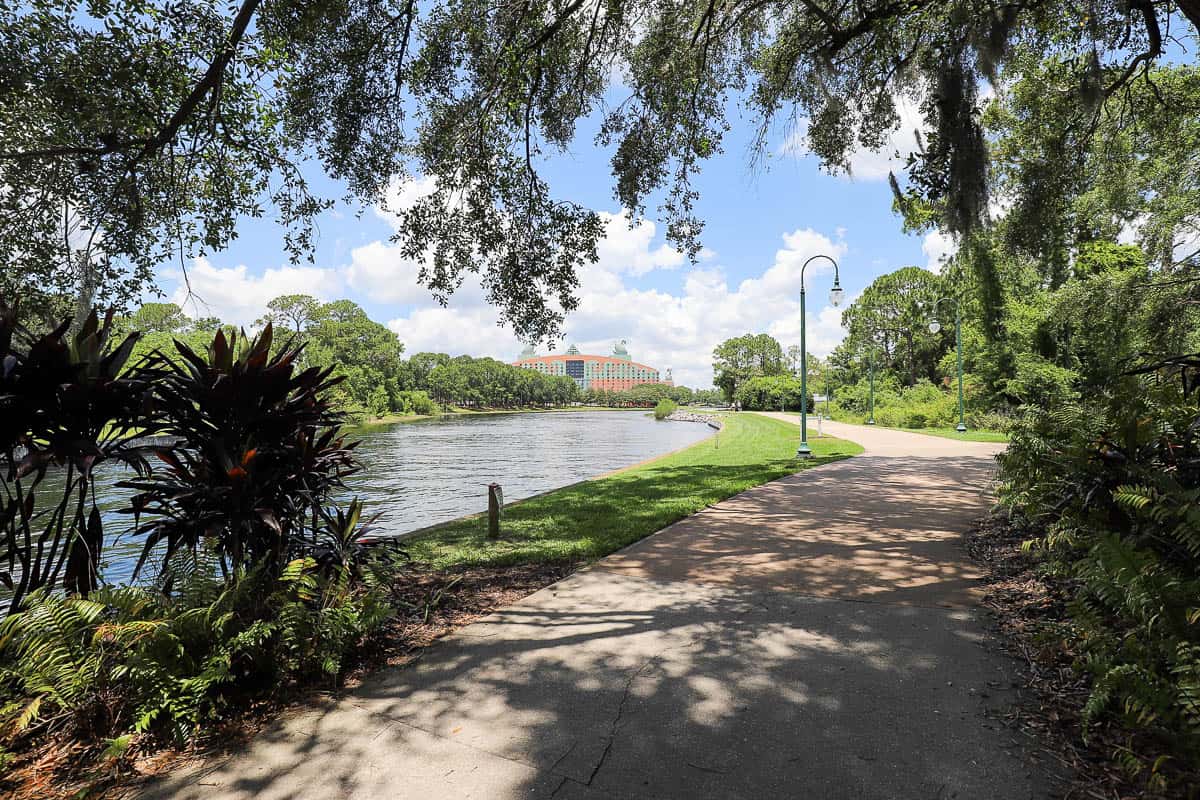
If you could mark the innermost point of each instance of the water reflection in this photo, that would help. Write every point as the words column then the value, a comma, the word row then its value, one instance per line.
column 422, row 473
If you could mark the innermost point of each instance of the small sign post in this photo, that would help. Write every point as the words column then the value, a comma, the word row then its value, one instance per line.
column 495, row 505
column 817, row 398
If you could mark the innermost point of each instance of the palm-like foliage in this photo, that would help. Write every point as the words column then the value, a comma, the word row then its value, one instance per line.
column 261, row 581
column 255, row 458
column 65, row 405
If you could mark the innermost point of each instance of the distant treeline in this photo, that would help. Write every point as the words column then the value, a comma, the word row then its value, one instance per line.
column 378, row 380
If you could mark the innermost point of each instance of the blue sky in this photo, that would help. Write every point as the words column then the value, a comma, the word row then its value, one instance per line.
column 760, row 225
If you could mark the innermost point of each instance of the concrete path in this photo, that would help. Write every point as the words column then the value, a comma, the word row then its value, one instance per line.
column 815, row 637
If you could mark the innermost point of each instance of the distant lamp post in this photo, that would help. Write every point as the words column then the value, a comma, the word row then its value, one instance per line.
column 936, row 326
column 835, row 298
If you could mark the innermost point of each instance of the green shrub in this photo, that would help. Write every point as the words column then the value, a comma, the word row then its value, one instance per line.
column 771, row 393
column 665, row 408
column 130, row 660
column 995, row 420
column 378, row 402
column 924, row 405
column 1041, row 383
column 258, row 581
column 415, row 402
column 1111, row 490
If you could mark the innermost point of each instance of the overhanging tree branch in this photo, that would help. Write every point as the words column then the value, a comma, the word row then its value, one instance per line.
column 211, row 80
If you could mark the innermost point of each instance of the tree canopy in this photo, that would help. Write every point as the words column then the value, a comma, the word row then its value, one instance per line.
column 1134, row 171
column 891, row 320
column 744, row 357
column 294, row 312
column 207, row 111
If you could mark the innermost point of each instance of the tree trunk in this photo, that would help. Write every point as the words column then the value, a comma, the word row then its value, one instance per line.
column 912, row 359
column 87, row 293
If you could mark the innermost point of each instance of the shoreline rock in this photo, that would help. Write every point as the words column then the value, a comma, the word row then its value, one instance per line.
column 689, row 416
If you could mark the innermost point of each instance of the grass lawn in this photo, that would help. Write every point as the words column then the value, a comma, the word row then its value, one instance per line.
column 969, row 436
column 945, row 433
column 594, row 518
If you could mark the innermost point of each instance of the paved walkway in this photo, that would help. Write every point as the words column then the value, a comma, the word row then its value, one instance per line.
column 815, row 637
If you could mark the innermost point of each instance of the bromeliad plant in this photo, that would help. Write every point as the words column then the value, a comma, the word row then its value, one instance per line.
column 256, row 456
column 66, row 407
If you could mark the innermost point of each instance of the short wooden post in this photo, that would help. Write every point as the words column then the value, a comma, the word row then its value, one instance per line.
column 495, row 503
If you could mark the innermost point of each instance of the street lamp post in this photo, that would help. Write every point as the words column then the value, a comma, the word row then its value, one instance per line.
column 936, row 326
column 835, row 298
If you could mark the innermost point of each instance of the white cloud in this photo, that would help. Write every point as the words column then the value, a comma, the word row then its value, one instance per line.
column 901, row 143
column 1187, row 243
column 457, row 331
column 676, row 329
column 627, row 249
column 401, row 195
column 1187, row 238
column 824, row 331
column 236, row 296
column 938, row 247
column 1129, row 232
column 380, row 272
column 666, row 329
column 680, row 330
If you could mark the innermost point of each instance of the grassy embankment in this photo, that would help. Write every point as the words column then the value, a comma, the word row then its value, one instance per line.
column 948, row 433
column 593, row 518
column 969, row 436
column 945, row 433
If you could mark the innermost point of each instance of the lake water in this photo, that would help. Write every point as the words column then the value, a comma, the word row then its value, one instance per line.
column 422, row 473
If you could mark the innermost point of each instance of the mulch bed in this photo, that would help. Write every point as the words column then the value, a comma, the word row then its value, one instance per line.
column 434, row 602
column 1026, row 606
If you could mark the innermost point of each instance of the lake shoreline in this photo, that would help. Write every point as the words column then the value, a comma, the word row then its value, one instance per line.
column 392, row 419
column 589, row 519
column 717, row 425
column 429, row 474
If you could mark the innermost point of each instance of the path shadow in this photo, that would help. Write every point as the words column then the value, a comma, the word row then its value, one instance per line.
column 869, row 528
column 677, row 669
column 613, row 686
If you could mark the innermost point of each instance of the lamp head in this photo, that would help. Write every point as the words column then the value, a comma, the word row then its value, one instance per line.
column 935, row 326
column 836, row 294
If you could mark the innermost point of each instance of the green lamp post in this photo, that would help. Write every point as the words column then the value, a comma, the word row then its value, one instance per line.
column 936, row 326
column 835, row 298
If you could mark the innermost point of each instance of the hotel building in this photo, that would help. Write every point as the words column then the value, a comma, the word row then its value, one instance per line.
column 615, row 373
